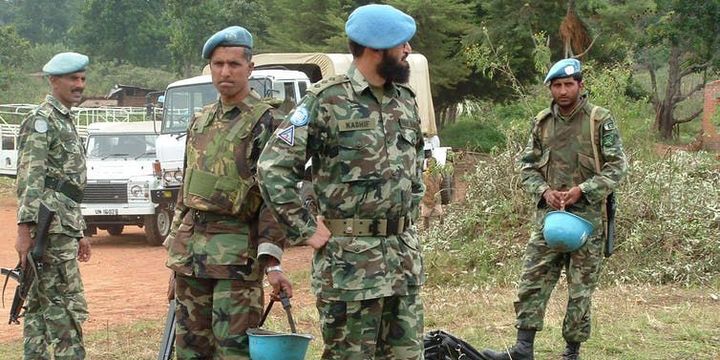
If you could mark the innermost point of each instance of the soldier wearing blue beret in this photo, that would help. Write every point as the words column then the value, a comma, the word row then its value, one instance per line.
column 574, row 160
column 223, row 240
column 51, row 171
column 362, row 131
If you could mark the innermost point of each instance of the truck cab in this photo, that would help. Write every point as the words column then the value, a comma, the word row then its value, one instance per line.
column 186, row 97
column 120, row 177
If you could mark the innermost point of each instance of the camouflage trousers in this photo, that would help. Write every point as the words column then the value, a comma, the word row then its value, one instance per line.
column 383, row 328
column 541, row 271
column 56, row 309
column 212, row 316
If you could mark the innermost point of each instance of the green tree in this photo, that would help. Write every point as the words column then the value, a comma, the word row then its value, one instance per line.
column 192, row 22
column 12, row 54
column 44, row 21
column 684, row 37
column 124, row 31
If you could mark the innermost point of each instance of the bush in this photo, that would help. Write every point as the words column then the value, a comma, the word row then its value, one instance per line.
column 473, row 135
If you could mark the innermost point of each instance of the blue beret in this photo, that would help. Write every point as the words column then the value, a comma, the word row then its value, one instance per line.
column 563, row 68
column 66, row 63
column 230, row 36
column 379, row 26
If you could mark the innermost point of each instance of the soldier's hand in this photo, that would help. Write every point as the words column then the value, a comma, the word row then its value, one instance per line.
column 23, row 243
column 554, row 198
column 572, row 196
column 84, row 250
column 279, row 282
column 321, row 236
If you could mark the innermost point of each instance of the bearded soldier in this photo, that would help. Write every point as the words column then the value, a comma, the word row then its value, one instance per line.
column 573, row 161
column 362, row 132
column 51, row 171
column 222, row 237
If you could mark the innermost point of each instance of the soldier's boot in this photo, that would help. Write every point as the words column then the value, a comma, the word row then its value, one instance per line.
column 572, row 351
column 522, row 350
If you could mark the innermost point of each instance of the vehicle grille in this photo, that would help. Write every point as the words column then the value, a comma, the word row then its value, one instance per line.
column 105, row 193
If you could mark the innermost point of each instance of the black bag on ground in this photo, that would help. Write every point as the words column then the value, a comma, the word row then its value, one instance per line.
column 440, row 345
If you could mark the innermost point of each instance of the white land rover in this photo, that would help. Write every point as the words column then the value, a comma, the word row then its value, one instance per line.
column 121, row 175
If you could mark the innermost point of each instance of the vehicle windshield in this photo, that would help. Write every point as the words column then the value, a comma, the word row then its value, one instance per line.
column 121, row 145
column 182, row 102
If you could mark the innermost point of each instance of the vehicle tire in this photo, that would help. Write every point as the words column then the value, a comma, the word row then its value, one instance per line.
column 446, row 189
column 115, row 229
column 157, row 227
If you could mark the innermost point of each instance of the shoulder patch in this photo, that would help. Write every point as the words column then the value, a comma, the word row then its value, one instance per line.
column 287, row 135
column 609, row 125
column 41, row 125
column 299, row 116
column 321, row 85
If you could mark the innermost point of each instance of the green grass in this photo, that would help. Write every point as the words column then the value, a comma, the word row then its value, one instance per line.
column 629, row 323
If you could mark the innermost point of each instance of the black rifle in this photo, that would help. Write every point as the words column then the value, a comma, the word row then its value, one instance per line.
column 168, row 339
column 26, row 276
column 611, row 208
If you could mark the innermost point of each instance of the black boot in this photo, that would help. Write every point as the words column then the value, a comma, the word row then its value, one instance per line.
column 522, row 350
column 572, row 351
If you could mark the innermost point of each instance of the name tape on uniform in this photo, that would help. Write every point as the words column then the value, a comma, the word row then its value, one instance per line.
column 361, row 124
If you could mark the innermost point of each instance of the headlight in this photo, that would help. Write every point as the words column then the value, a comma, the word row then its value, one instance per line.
column 168, row 176
column 178, row 175
column 137, row 191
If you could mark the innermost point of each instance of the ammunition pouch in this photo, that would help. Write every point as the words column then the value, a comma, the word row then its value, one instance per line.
column 65, row 187
column 216, row 193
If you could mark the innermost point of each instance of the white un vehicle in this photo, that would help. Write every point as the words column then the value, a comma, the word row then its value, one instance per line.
column 185, row 97
column 120, row 171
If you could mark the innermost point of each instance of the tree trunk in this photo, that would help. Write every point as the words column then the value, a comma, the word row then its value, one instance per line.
column 664, row 112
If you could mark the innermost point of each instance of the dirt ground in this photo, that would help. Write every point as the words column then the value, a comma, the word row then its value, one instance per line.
column 125, row 279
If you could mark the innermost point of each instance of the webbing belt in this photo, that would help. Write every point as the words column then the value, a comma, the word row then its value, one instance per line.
column 367, row 227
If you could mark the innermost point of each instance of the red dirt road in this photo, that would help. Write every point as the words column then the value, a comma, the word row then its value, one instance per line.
column 125, row 279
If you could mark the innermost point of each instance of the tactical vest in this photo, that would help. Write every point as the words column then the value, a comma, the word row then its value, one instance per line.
column 218, row 177
column 568, row 157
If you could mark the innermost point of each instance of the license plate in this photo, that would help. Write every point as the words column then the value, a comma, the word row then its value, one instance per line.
column 106, row 212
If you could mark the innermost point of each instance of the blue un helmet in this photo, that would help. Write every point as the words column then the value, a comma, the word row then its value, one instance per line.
column 565, row 232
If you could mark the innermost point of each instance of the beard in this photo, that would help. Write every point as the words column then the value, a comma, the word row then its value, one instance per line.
column 393, row 70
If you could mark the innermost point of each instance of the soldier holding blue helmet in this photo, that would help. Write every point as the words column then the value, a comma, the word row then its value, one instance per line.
column 362, row 132
column 51, row 170
column 569, row 142
column 222, row 237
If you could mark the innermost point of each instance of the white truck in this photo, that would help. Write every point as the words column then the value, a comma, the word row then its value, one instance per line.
column 185, row 97
column 121, row 173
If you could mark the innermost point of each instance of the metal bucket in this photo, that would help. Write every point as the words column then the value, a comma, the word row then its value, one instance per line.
column 270, row 345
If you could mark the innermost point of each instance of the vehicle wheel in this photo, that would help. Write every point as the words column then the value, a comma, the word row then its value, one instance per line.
column 157, row 227
column 115, row 229
column 446, row 189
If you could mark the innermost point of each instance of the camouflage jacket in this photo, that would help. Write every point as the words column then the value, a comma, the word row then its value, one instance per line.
column 559, row 156
column 220, row 226
column 366, row 164
column 49, row 146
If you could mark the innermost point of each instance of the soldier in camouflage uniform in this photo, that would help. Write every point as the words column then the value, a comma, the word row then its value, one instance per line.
column 51, row 170
column 222, row 236
column 362, row 132
column 558, row 170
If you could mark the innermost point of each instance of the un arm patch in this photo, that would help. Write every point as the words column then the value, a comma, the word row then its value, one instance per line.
column 300, row 117
column 41, row 125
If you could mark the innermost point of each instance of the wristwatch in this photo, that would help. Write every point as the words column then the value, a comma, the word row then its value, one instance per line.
column 270, row 269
